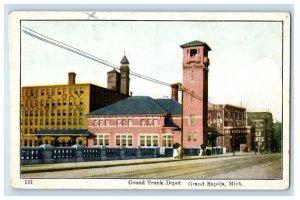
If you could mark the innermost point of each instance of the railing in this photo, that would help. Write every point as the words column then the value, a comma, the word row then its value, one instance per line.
column 47, row 154
column 31, row 155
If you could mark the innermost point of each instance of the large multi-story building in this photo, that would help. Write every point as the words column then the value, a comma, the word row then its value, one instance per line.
column 143, row 121
column 263, row 123
column 56, row 114
column 231, row 122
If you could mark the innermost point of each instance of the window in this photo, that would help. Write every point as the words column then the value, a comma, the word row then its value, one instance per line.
column 53, row 102
column 101, row 123
column 119, row 122
column 129, row 122
column 143, row 122
column 193, row 52
column 189, row 136
column 75, row 121
column 59, row 102
column 194, row 136
column 155, row 122
column 167, row 140
column 148, row 140
column 80, row 121
column 58, row 113
column 41, row 122
column 58, row 121
column 95, row 122
column 123, row 122
column 124, row 140
column 106, row 122
column 101, row 139
column 63, row 121
column 149, row 122
column 192, row 120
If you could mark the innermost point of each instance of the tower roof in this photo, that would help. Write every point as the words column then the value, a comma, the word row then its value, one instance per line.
column 124, row 60
column 195, row 43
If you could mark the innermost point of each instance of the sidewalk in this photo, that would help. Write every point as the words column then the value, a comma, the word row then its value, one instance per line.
column 102, row 164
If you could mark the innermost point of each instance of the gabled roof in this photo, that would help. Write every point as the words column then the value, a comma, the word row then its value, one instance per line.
column 82, row 131
column 194, row 44
column 124, row 60
column 140, row 105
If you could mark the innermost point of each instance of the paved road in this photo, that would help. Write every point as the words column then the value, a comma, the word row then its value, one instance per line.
column 266, row 166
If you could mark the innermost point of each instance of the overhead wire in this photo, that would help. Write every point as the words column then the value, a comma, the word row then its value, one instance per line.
column 77, row 51
column 62, row 45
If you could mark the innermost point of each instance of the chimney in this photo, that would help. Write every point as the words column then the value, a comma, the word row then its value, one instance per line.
column 72, row 76
column 174, row 92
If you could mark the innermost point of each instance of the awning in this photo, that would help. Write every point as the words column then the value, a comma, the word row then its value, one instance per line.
column 212, row 133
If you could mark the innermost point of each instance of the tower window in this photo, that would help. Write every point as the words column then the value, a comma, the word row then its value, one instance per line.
column 193, row 52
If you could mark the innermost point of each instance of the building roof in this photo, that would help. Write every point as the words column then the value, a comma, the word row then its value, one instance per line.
column 124, row 60
column 170, row 105
column 82, row 131
column 140, row 105
column 195, row 43
column 113, row 71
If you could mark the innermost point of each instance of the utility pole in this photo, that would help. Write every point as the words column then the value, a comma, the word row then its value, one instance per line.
column 233, row 141
column 181, row 132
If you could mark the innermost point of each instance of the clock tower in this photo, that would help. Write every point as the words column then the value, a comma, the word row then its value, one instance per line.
column 195, row 99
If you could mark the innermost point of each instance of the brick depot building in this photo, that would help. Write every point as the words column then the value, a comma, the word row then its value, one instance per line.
column 143, row 121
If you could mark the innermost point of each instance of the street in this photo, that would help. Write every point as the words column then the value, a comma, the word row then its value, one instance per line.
column 266, row 166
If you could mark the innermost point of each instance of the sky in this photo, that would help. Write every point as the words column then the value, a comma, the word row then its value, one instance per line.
column 245, row 61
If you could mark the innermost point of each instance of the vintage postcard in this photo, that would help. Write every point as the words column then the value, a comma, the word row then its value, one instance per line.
column 149, row 100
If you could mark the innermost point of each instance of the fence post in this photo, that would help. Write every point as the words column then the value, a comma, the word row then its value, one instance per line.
column 47, row 153
column 139, row 153
column 122, row 153
column 78, row 152
column 103, row 153
column 156, row 152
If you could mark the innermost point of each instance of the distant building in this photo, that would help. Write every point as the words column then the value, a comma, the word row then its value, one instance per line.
column 263, row 123
column 56, row 114
column 231, row 122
